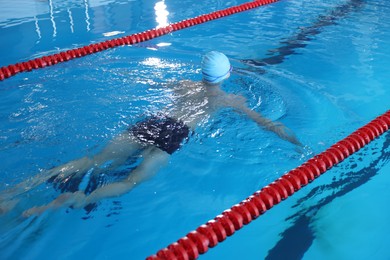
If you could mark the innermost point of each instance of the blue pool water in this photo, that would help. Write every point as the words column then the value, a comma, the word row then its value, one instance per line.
column 319, row 67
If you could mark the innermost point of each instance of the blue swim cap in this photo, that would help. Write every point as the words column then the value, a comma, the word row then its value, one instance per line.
column 215, row 67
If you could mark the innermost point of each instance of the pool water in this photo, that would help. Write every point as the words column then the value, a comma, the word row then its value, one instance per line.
column 319, row 67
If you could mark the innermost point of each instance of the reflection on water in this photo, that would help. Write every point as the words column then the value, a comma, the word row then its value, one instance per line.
column 22, row 9
column 41, row 26
column 161, row 14
column 290, row 45
column 70, row 110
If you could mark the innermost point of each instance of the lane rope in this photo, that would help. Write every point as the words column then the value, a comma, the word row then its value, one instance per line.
column 217, row 230
column 226, row 224
column 45, row 61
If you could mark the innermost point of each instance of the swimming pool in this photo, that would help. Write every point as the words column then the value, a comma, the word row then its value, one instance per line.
column 326, row 78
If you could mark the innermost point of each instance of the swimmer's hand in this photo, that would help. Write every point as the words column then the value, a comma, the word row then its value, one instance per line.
column 283, row 132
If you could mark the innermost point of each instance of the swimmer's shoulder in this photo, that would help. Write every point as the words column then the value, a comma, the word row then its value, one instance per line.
column 187, row 82
column 186, row 85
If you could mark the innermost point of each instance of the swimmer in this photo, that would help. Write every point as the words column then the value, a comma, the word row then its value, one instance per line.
column 154, row 139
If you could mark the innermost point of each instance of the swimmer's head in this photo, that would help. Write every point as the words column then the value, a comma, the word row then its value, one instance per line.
column 215, row 67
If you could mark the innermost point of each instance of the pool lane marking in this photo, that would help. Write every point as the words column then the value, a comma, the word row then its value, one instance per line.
column 228, row 222
column 301, row 39
column 45, row 61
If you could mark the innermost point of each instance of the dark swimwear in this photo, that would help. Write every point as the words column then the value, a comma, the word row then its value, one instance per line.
column 165, row 133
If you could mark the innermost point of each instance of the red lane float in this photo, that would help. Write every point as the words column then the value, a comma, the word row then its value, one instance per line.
column 11, row 70
column 217, row 230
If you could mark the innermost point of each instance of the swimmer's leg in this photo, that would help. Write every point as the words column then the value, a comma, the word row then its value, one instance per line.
column 62, row 171
column 113, row 155
column 153, row 160
column 117, row 152
column 7, row 205
column 9, row 197
column 64, row 200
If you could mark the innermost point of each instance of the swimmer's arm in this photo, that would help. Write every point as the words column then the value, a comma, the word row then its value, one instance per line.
column 238, row 104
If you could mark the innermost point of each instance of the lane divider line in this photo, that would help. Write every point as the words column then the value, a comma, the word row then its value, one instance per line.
column 50, row 60
column 228, row 222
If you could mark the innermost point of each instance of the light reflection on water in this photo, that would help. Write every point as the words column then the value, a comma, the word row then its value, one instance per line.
column 72, row 109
